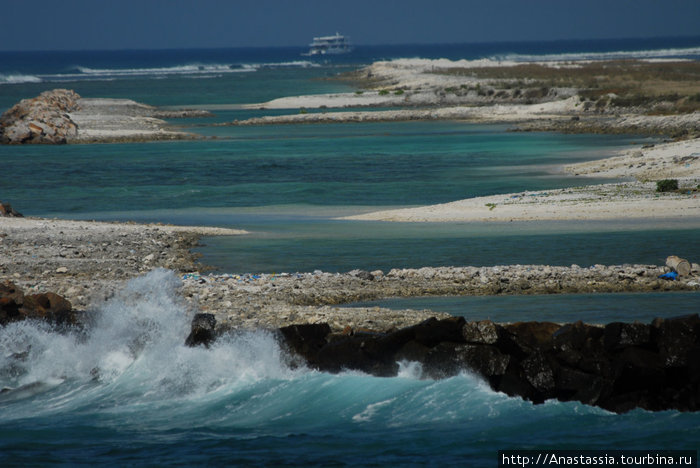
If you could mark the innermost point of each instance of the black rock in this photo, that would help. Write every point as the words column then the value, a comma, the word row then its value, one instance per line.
column 203, row 331
column 618, row 367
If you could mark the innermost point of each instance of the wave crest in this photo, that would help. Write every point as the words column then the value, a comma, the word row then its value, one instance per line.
column 18, row 79
column 190, row 70
column 677, row 53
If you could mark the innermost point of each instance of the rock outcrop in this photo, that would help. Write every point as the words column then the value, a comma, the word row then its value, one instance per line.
column 619, row 367
column 7, row 211
column 62, row 116
column 43, row 119
column 203, row 331
column 50, row 307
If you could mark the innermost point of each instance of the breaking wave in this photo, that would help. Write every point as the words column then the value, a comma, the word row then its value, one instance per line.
column 194, row 70
column 18, row 78
column 128, row 389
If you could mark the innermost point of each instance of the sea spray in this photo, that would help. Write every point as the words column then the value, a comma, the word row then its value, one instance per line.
column 132, row 361
column 127, row 390
column 133, row 352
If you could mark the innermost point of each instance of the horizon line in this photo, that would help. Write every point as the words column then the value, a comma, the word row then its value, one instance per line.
column 529, row 41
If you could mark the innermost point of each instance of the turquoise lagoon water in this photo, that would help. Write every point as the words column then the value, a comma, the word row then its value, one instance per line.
column 598, row 308
column 123, row 395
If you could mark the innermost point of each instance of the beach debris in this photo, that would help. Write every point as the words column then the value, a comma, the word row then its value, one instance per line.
column 670, row 276
column 679, row 265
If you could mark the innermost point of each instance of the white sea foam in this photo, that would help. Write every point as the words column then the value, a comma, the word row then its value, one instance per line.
column 292, row 64
column 189, row 69
column 136, row 343
column 612, row 55
column 371, row 410
column 509, row 60
column 192, row 70
column 131, row 369
column 410, row 370
column 18, row 78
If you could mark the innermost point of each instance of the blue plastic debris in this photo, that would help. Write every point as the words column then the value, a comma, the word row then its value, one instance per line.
column 671, row 276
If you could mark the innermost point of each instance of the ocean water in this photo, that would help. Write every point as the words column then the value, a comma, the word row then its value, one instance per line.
column 600, row 308
column 129, row 393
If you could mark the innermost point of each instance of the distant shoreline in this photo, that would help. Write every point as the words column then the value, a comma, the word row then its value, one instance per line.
column 564, row 96
column 537, row 96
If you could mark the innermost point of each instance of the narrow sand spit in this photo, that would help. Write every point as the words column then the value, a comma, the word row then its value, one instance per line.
column 608, row 201
column 598, row 202
column 497, row 113
column 679, row 159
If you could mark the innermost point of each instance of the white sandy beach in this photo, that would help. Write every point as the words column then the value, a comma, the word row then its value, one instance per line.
column 496, row 113
column 582, row 203
column 416, row 77
column 680, row 159
column 625, row 200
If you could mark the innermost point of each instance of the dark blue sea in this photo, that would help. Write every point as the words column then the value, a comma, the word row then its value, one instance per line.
column 157, row 402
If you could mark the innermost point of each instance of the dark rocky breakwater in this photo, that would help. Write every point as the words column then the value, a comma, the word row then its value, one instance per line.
column 618, row 367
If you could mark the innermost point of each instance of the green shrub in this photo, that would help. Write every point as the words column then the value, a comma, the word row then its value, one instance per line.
column 383, row 92
column 359, row 92
column 667, row 185
column 398, row 92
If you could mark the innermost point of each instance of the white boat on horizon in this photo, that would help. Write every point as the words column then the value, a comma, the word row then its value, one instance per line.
column 329, row 45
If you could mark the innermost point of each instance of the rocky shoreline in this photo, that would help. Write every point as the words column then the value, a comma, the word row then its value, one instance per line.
column 572, row 96
column 567, row 97
column 61, row 116
column 618, row 367
column 57, row 270
column 86, row 262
